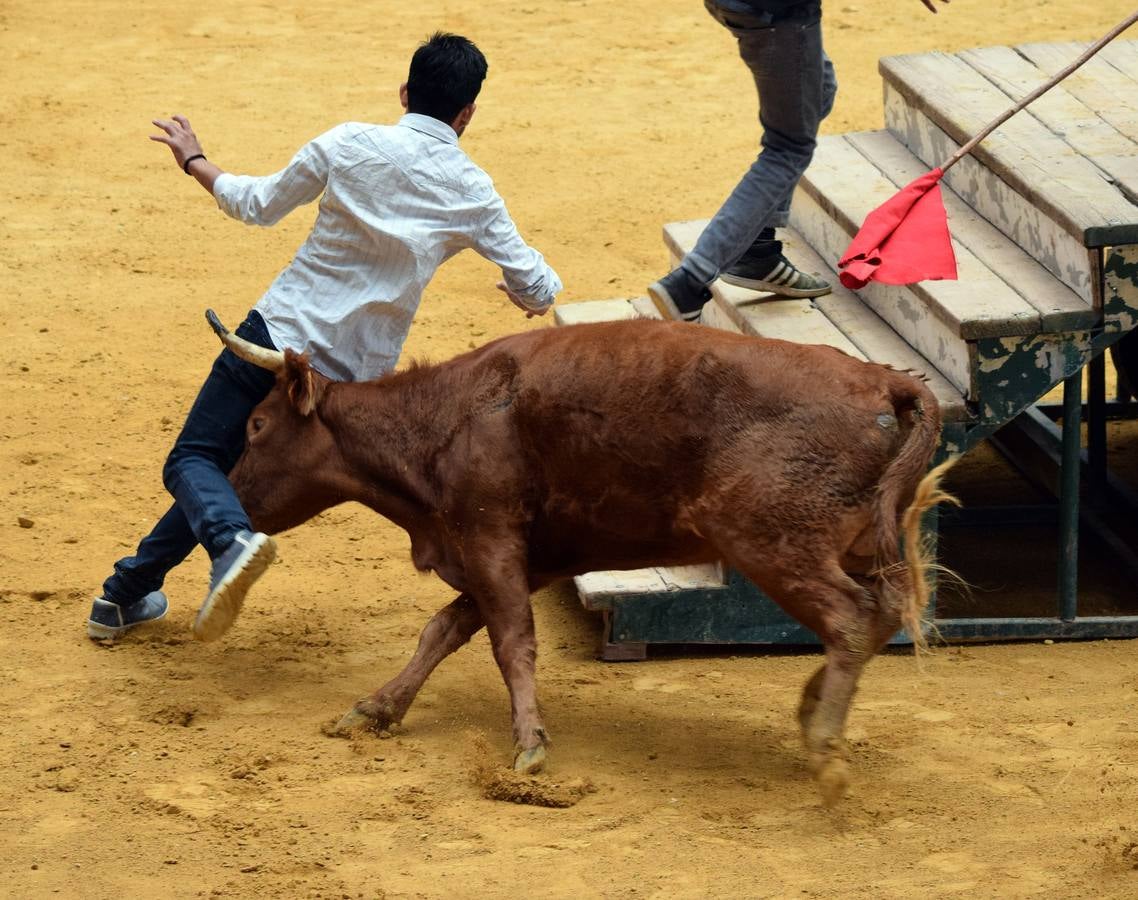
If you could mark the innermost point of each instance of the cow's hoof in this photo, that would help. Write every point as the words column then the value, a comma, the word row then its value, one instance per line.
column 354, row 720
column 527, row 762
column 833, row 776
column 369, row 714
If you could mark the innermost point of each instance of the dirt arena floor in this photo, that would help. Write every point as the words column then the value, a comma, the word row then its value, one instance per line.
column 163, row 767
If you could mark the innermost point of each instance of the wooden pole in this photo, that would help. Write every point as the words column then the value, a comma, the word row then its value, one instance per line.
column 1041, row 90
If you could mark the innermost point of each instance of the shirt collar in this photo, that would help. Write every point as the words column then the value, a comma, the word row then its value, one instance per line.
column 431, row 126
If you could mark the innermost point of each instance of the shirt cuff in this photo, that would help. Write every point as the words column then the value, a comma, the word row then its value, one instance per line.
column 534, row 304
column 222, row 184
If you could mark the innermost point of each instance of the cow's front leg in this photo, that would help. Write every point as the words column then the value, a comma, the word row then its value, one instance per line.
column 501, row 587
column 449, row 628
column 514, row 643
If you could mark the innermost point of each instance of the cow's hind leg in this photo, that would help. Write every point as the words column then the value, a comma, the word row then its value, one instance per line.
column 450, row 628
column 882, row 623
column 845, row 616
column 811, row 694
column 824, row 732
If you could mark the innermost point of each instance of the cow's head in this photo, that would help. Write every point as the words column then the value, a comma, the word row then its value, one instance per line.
column 290, row 469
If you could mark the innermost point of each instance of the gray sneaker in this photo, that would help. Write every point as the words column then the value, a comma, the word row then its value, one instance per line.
column 109, row 620
column 780, row 277
column 678, row 296
column 230, row 577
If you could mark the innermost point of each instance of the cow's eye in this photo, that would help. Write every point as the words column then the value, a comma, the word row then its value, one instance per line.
column 257, row 424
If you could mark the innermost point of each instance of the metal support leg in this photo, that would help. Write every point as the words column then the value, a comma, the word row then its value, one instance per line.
column 1069, row 498
column 1096, row 425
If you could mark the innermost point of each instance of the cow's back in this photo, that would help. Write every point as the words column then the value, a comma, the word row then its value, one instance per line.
column 637, row 435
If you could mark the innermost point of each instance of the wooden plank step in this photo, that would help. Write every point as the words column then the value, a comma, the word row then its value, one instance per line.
column 1123, row 55
column 1031, row 158
column 979, row 304
column 762, row 314
column 604, row 311
column 1098, row 85
column 1032, row 228
column 1083, row 127
column 1059, row 308
column 876, row 340
column 597, row 590
column 871, row 338
column 1060, row 110
column 897, row 306
column 1104, row 88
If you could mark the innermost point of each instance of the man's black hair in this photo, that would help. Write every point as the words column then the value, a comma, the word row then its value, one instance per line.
column 446, row 74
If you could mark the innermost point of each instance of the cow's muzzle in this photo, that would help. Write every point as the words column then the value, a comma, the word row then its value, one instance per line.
column 273, row 360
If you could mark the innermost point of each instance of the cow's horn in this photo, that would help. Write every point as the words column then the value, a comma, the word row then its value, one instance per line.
column 273, row 360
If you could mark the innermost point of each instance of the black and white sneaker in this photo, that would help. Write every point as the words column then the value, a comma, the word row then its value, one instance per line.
column 110, row 620
column 230, row 577
column 781, row 277
column 678, row 296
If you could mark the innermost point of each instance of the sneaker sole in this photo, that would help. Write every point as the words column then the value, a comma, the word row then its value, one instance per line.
column 664, row 304
column 222, row 606
column 765, row 287
column 100, row 632
column 667, row 308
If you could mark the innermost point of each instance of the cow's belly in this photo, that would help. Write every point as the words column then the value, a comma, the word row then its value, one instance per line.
column 561, row 548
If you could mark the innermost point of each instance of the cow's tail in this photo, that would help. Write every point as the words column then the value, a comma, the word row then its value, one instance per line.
column 906, row 492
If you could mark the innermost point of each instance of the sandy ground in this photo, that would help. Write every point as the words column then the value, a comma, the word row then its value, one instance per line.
column 163, row 767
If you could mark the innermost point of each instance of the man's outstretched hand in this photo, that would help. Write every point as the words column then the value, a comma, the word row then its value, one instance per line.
column 522, row 303
column 179, row 137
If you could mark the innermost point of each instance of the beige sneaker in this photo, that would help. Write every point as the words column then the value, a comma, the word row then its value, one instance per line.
column 230, row 577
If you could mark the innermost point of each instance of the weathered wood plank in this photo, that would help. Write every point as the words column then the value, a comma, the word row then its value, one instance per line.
column 881, row 344
column 594, row 311
column 1059, row 308
column 875, row 340
column 1120, row 275
column 1014, row 372
column 762, row 314
column 1014, row 214
column 1087, row 110
column 597, row 589
column 1097, row 84
column 979, row 304
column 1123, row 55
column 866, row 335
column 715, row 315
column 1036, row 163
column 1081, row 126
column 897, row 306
column 1123, row 171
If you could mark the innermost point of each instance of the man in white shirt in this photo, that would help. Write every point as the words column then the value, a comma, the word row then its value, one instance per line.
column 395, row 203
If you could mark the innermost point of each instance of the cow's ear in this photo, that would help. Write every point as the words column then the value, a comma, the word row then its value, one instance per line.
column 304, row 386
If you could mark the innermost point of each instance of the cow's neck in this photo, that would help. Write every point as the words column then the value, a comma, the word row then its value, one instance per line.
column 389, row 437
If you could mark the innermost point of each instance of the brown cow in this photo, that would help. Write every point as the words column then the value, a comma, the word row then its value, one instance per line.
column 618, row 445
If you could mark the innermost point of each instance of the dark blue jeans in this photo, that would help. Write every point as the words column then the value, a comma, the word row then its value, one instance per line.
column 796, row 85
column 206, row 510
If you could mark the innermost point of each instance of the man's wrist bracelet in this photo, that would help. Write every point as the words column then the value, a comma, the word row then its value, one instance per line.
column 190, row 159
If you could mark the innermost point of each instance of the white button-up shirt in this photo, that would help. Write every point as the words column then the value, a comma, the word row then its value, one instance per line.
column 398, row 201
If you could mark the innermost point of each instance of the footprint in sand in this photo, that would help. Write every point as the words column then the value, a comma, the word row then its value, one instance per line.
column 648, row 683
column 933, row 715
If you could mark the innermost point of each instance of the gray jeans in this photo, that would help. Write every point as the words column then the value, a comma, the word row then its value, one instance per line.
column 796, row 85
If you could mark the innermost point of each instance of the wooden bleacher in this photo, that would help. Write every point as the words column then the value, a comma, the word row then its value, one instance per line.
column 1044, row 220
